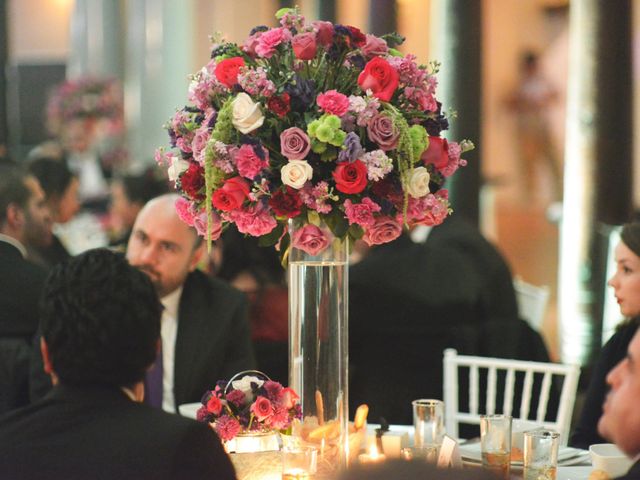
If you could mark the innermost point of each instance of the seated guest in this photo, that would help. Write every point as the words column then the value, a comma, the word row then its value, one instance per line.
column 620, row 421
column 100, row 321
column 23, row 215
column 129, row 193
column 61, row 191
column 257, row 271
column 626, row 286
column 205, row 330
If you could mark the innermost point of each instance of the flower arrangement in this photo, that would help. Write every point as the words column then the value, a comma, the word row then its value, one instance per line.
column 85, row 97
column 249, row 404
column 313, row 122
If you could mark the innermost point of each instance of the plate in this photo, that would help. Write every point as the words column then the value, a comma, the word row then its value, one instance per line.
column 573, row 473
column 471, row 452
column 189, row 410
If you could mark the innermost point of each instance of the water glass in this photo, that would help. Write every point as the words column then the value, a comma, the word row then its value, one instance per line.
column 427, row 454
column 495, row 443
column 428, row 421
column 299, row 462
column 541, row 454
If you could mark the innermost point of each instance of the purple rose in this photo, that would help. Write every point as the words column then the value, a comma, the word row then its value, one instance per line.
column 294, row 144
column 382, row 131
column 352, row 148
column 310, row 239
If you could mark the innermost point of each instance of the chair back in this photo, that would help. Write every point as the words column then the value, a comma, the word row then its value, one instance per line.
column 532, row 302
column 518, row 378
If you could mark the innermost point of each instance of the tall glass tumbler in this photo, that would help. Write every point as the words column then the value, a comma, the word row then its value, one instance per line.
column 428, row 421
column 495, row 443
column 541, row 454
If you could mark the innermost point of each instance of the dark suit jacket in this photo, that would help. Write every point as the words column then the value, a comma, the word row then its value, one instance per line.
column 633, row 473
column 21, row 283
column 213, row 341
column 99, row 433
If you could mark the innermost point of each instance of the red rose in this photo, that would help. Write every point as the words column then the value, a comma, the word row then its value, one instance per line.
column 192, row 181
column 437, row 152
column 227, row 71
column 286, row 204
column 350, row 177
column 280, row 105
column 214, row 405
column 357, row 37
column 231, row 195
column 379, row 77
column 304, row 45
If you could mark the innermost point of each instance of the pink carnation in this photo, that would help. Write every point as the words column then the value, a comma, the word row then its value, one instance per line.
column 435, row 208
column 310, row 239
column 227, row 427
column 333, row 102
column 383, row 230
column 361, row 213
column 279, row 419
column 198, row 218
column 269, row 41
column 236, row 397
column 254, row 220
column 273, row 389
column 249, row 164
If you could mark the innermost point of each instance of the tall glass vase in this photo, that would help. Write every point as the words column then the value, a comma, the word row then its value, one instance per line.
column 318, row 340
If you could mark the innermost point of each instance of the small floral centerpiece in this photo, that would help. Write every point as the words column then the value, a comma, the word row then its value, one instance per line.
column 249, row 404
column 86, row 98
column 315, row 122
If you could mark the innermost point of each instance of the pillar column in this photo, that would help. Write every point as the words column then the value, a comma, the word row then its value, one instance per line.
column 383, row 15
column 457, row 38
column 597, row 185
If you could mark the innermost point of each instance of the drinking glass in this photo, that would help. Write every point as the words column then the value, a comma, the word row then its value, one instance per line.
column 428, row 421
column 495, row 443
column 541, row 454
column 299, row 462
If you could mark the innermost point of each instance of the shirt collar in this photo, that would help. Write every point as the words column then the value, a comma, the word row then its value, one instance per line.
column 420, row 233
column 172, row 301
column 15, row 243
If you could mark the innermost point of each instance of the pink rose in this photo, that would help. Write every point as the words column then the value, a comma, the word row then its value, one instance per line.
column 361, row 213
column 304, row 45
column 294, row 143
column 250, row 44
column 382, row 131
column 310, row 239
column 214, row 405
column 262, row 408
column 249, row 164
column 383, row 230
column 200, row 142
column 324, row 32
column 289, row 398
column 227, row 427
column 200, row 224
column 269, row 41
column 333, row 102
column 375, row 47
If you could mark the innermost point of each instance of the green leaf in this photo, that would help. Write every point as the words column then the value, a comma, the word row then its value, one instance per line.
column 393, row 39
column 337, row 223
column 272, row 237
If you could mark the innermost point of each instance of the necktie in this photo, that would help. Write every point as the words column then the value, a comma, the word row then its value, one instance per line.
column 153, row 382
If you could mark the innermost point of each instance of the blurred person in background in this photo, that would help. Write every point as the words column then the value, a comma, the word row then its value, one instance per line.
column 626, row 286
column 60, row 187
column 129, row 193
column 23, row 215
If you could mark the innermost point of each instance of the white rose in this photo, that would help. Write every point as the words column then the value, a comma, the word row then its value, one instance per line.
column 418, row 184
column 247, row 115
column 176, row 168
column 244, row 385
column 296, row 173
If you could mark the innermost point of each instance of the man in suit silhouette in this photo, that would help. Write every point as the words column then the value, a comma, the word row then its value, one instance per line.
column 205, row 328
column 620, row 421
column 100, row 321
column 23, row 215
